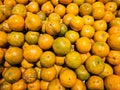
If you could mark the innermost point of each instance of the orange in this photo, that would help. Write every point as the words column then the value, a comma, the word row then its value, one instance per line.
column 87, row 31
column 98, row 13
column 67, row 77
column 82, row 72
column 61, row 46
column 55, row 2
column 111, row 6
column 47, row 8
column 25, row 64
column 22, row 1
column 116, row 69
column 10, row 3
column 33, row 22
column 32, row 7
column 114, row 30
column 15, row 38
column 32, row 53
column 100, row 48
column 113, row 41
column 6, row 10
column 112, row 82
column 45, row 41
column 60, row 9
column 73, row 59
column 47, row 59
column 85, row 9
column 42, row 15
column 44, row 85
column 29, row 75
column 1, row 3
column 90, row 1
column 12, row 74
column 108, row 70
column 19, row 9
column 59, row 60
column 52, row 27
column 16, row 22
column 6, row 64
column 79, row 2
column 98, row 4
column 25, row 45
column 14, row 55
column 1, row 55
column 3, row 38
column 38, row 69
column 48, row 74
column 113, row 57
column 100, row 25
column 88, row 20
column 76, row 23
column 63, row 29
column 2, row 17
column 32, row 37
column 5, row 27
column 95, row 83
column 58, row 68
column 108, row 16
column 55, row 85
column 72, row 8
column 104, row 1
column 21, row 84
column 85, row 56
column 79, row 85
column 34, row 85
column 94, row 64
column 83, row 44
column 72, row 36
column 101, row 36
column 54, row 16
column 40, row 2
column 65, row 1
column 67, row 18
column 5, row 86
column 114, row 22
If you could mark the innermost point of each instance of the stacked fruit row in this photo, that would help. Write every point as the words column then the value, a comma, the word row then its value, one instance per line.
column 59, row 45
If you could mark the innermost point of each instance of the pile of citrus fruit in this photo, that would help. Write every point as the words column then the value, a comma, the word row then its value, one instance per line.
column 59, row 44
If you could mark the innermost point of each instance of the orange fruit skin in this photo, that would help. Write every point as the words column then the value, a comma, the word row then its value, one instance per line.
column 114, row 41
column 32, row 53
column 67, row 77
column 112, row 82
column 61, row 46
column 93, row 66
column 3, row 38
column 117, row 69
column 95, row 82
column 44, row 85
column 45, row 41
column 83, row 44
column 19, row 85
column 14, row 55
column 12, row 74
